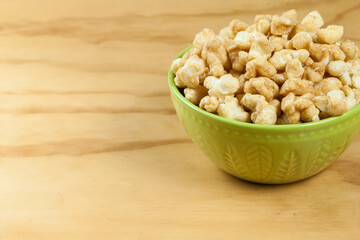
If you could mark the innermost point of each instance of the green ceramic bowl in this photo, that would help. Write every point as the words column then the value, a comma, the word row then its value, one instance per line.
column 270, row 154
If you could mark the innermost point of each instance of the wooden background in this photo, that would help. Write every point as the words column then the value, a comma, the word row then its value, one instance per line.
column 91, row 147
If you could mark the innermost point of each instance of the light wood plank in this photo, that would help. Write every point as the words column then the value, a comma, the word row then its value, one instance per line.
column 91, row 147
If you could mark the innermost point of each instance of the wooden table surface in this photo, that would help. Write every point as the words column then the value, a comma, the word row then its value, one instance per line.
column 91, row 147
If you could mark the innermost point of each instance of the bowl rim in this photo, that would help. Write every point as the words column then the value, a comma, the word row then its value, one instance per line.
column 321, row 123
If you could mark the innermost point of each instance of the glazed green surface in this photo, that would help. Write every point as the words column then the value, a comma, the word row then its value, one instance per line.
column 270, row 154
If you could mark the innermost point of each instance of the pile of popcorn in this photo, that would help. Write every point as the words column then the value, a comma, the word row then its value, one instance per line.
column 275, row 71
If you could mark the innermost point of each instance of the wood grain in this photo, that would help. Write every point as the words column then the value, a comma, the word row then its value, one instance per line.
column 91, row 147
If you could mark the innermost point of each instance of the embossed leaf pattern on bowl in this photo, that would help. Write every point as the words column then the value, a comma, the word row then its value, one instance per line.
column 289, row 166
column 259, row 158
column 338, row 150
column 233, row 162
column 318, row 156
column 207, row 144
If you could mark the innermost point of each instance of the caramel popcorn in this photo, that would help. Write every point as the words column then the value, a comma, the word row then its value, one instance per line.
column 261, row 48
column 180, row 62
column 274, row 71
column 233, row 110
column 209, row 104
column 264, row 114
column 278, row 43
column 222, row 87
column 296, row 29
column 262, row 85
column 299, row 108
column 333, row 104
column 262, row 25
column 331, row 33
column 241, row 79
column 262, row 111
column 259, row 67
column 227, row 34
column 350, row 49
column 315, row 72
column 325, row 53
column 296, row 86
column 283, row 24
column 189, row 74
column 294, row 69
column 355, row 81
column 313, row 22
column 347, row 72
column 282, row 57
column 301, row 40
column 351, row 98
column 237, row 57
column 327, row 85
column 260, row 17
column 277, row 105
column 244, row 39
column 194, row 95
column 279, row 78
column 203, row 38
column 215, row 55
column 339, row 69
